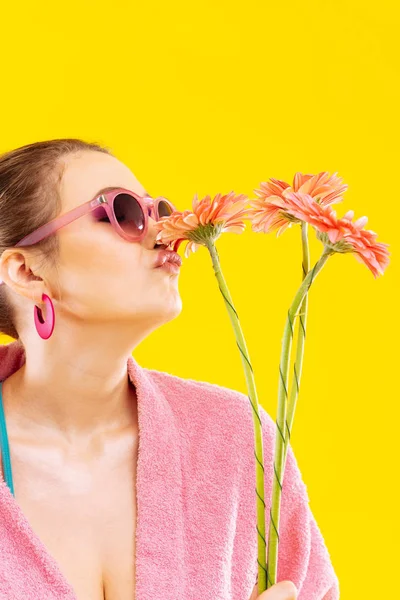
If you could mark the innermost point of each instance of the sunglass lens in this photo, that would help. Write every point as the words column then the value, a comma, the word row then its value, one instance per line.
column 164, row 209
column 129, row 214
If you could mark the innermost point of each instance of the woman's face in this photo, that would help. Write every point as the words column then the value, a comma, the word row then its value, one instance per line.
column 104, row 278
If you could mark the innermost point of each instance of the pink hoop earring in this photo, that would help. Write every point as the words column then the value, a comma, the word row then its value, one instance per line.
column 45, row 328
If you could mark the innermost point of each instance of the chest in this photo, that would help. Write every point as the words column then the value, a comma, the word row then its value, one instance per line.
column 83, row 509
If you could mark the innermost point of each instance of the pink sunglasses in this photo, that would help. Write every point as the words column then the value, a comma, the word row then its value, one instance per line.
column 127, row 212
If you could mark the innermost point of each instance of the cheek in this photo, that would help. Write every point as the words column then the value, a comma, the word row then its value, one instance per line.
column 101, row 270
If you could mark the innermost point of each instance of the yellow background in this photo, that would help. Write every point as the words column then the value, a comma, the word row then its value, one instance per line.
column 219, row 96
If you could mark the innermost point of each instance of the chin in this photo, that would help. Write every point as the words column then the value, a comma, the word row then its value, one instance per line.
column 175, row 309
column 172, row 310
column 166, row 310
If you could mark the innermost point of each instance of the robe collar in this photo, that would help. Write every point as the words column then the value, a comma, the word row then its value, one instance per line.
column 160, row 539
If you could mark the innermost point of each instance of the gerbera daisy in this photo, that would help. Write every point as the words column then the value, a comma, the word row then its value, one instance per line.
column 268, row 211
column 202, row 226
column 341, row 234
column 205, row 222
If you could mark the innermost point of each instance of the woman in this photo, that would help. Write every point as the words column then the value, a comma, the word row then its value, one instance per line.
column 120, row 482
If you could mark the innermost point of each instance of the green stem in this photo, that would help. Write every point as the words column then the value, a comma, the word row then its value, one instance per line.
column 281, row 423
column 298, row 364
column 252, row 394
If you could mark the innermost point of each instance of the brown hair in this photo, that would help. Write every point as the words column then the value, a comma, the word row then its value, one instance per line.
column 29, row 197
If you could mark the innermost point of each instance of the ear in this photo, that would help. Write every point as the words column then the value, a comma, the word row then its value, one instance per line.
column 17, row 271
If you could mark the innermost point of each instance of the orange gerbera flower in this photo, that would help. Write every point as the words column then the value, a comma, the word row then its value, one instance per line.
column 268, row 211
column 364, row 247
column 205, row 223
column 324, row 188
column 341, row 234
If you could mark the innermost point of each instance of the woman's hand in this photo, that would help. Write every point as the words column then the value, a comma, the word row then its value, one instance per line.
column 284, row 590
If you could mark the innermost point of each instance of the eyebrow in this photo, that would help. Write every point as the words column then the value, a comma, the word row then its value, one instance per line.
column 115, row 187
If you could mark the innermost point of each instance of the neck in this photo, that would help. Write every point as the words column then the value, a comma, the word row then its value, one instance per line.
column 74, row 385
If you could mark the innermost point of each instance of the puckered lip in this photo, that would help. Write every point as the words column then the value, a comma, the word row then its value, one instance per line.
column 170, row 255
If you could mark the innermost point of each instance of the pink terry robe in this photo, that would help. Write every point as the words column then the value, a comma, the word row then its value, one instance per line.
column 196, row 533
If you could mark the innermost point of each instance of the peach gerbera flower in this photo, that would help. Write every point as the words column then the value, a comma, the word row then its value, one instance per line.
column 364, row 246
column 204, row 223
column 202, row 226
column 324, row 188
column 268, row 211
column 341, row 234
